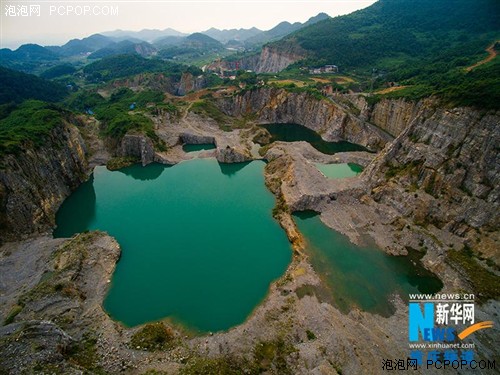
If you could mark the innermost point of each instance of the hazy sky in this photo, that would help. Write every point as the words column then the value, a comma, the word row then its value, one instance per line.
column 55, row 22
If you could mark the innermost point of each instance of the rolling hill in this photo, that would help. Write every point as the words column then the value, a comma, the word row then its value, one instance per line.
column 27, row 57
column 226, row 35
column 282, row 29
column 17, row 86
column 125, row 47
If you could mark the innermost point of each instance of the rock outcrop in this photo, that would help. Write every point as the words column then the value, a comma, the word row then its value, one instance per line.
column 35, row 182
column 270, row 60
column 394, row 115
column 161, row 82
column 444, row 170
column 273, row 60
column 230, row 154
column 59, row 309
column 137, row 146
column 326, row 117
column 190, row 83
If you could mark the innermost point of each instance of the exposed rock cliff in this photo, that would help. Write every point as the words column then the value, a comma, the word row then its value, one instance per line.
column 273, row 60
column 444, row 170
column 34, row 183
column 394, row 115
column 190, row 83
column 270, row 60
column 230, row 154
column 161, row 82
column 139, row 147
column 154, row 81
column 326, row 117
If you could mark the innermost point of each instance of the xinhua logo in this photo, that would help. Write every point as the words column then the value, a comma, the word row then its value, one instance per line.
column 431, row 323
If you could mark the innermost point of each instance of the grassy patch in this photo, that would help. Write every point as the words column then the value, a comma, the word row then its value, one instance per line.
column 310, row 335
column 271, row 355
column 208, row 109
column 124, row 112
column 281, row 207
column 485, row 284
column 14, row 311
column 403, row 169
column 153, row 336
column 84, row 354
column 219, row 366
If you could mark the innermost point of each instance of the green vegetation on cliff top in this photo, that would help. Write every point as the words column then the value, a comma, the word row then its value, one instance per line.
column 122, row 112
column 28, row 125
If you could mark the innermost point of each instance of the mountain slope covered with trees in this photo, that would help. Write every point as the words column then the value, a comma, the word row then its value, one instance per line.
column 425, row 44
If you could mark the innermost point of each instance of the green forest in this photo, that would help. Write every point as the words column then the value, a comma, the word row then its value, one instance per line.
column 28, row 125
column 17, row 86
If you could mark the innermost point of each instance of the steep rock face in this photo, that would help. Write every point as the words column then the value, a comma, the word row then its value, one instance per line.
column 34, row 183
column 394, row 115
column 196, row 139
column 153, row 81
column 190, row 83
column 329, row 119
column 137, row 146
column 270, row 60
column 230, row 154
column 444, row 170
column 162, row 82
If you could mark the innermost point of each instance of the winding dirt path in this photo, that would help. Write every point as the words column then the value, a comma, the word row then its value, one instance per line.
column 492, row 54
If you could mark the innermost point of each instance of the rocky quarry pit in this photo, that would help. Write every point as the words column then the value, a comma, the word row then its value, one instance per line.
column 433, row 186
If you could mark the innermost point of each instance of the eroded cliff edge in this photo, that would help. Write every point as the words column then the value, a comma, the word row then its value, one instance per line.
column 334, row 119
column 35, row 182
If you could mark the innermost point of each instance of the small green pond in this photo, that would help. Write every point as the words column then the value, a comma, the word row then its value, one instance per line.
column 199, row 244
column 339, row 170
column 295, row 133
column 364, row 277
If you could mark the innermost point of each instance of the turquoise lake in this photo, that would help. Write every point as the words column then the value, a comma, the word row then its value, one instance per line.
column 199, row 244
column 362, row 277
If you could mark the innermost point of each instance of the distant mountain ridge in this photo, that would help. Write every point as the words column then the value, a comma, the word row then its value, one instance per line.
column 82, row 46
column 167, row 43
column 282, row 29
column 226, row 35
column 125, row 47
column 147, row 35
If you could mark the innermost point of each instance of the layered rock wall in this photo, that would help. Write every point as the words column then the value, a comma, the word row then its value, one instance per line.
column 139, row 147
column 326, row 117
column 443, row 169
column 34, row 183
